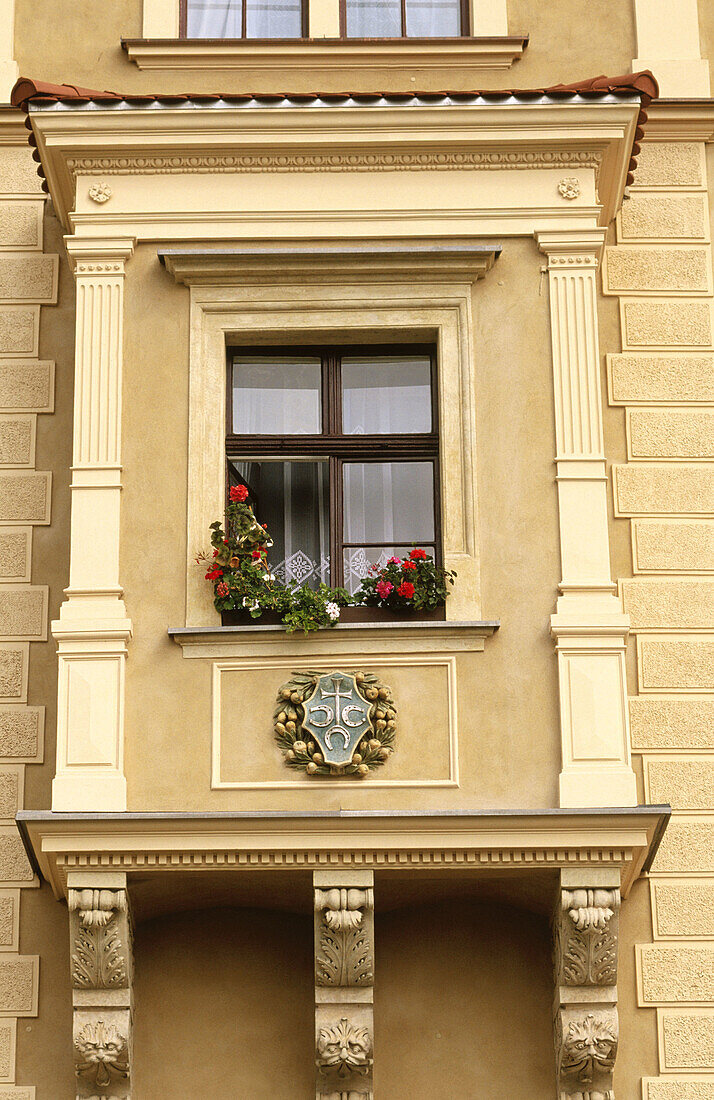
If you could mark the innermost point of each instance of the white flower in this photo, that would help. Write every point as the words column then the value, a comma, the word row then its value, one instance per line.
column 333, row 610
column 254, row 606
column 268, row 576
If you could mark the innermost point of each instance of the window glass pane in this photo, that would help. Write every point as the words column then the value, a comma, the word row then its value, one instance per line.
column 213, row 19
column 356, row 560
column 292, row 500
column 273, row 19
column 388, row 502
column 433, row 18
column 386, row 394
column 276, row 396
column 373, row 18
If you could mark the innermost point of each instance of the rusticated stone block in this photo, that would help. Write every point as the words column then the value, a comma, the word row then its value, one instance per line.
column 21, row 224
column 683, row 908
column 672, row 546
column 673, row 1089
column 14, row 658
column 686, row 846
column 18, row 1092
column 653, row 216
column 679, row 604
column 25, row 496
column 667, row 723
column 28, row 278
column 677, row 664
column 18, row 172
column 670, row 433
column 15, row 554
column 23, row 612
column 17, row 439
column 661, row 489
column 669, row 323
column 15, row 869
column 670, row 164
column 675, row 974
column 9, row 921
column 27, row 385
column 19, row 330
column 643, row 379
column 687, row 1040
column 18, row 985
column 22, row 733
column 685, row 784
column 12, row 777
column 8, row 1041
column 632, row 269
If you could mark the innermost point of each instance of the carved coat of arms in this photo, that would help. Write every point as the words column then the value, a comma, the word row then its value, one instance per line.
column 335, row 723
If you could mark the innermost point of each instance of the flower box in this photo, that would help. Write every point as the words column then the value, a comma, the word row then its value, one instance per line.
column 243, row 617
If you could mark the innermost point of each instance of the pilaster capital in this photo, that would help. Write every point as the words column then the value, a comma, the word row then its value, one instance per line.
column 99, row 256
column 572, row 248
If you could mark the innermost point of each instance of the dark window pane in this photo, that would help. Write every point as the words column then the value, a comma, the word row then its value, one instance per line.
column 276, row 396
column 388, row 502
column 373, row 18
column 386, row 394
column 292, row 500
column 356, row 560
column 433, row 18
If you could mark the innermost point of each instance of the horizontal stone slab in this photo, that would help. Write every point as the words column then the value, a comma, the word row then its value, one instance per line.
column 674, row 546
column 655, row 217
column 649, row 488
column 676, row 663
column 21, row 224
column 683, row 908
column 683, row 322
column 28, row 278
column 637, row 378
column 686, row 1039
column 15, row 554
column 684, row 723
column 687, row 784
column 670, row 164
column 17, row 439
column 14, row 659
column 19, row 976
column 675, row 974
column 19, row 330
column 670, row 433
column 687, row 846
column 23, row 612
column 680, row 1088
column 27, row 385
column 25, row 497
column 12, row 789
column 653, row 269
column 15, row 868
column 22, row 733
column 667, row 604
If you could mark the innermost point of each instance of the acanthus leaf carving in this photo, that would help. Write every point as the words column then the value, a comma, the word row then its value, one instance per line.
column 100, row 955
column 586, row 940
column 344, row 950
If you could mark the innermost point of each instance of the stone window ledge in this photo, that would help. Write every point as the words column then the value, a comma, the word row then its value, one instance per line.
column 351, row 59
column 229, row 641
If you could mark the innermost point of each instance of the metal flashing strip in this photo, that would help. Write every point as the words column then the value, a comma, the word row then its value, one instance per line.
column 485, row 626
column 437, row 251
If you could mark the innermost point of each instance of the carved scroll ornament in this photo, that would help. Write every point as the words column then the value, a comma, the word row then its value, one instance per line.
column 343, row 1049
column 586, row 944
column 99, row 944
column 344, row 949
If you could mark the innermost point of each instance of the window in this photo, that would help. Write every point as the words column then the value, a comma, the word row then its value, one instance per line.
column 404, row 18
column 339, row 451
column 243, row 19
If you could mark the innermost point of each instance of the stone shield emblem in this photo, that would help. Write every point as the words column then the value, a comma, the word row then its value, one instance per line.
column 337, row 717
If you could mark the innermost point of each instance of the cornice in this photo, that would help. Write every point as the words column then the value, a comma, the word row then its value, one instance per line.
column 680, row 120
column 13, row 130
column 351, row 60
column 623, row 840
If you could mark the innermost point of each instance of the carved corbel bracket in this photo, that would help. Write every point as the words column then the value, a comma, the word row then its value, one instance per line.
column 102, row 1043
column 586, row 937
column 100, row 938
column 343, row 937
column 344, row 1049
column 586, row 1048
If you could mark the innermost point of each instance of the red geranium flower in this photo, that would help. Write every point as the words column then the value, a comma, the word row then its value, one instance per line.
column 255, row 554
column 418, row 554
column 408, row 565
column 406, row 589
column 238, row 493
column 384, row 588
column 222, row 589
column 214, row 574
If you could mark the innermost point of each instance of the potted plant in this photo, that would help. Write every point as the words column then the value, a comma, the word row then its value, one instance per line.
column 413, row 585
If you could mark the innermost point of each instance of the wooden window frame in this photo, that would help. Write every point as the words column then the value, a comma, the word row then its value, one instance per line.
column 464, row 32
column 332, row 444
column 304, row 16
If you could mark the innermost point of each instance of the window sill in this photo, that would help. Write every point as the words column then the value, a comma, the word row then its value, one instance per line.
column 401, row 635
column 350, row 58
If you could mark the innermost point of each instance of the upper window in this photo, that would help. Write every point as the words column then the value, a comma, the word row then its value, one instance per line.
column 404, row 18
column 243, row 19
column 339, row 452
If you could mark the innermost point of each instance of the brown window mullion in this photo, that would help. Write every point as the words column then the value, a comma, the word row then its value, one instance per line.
column 336, row 517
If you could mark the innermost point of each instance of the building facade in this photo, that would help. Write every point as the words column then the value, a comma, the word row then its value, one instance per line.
column 410, row 281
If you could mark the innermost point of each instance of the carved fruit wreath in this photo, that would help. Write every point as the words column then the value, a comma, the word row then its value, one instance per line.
column 301, row 752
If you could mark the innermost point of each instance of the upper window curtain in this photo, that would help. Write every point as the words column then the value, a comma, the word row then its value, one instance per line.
column 386, row 18
column 243, row 18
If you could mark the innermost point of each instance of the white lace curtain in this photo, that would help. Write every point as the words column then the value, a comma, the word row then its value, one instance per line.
column 224, row 18
column 383, row 18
